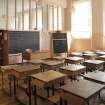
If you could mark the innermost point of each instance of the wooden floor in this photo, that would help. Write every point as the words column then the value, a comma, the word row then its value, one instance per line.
column 6, row 100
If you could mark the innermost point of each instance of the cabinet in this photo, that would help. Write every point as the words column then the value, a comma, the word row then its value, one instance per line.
column 36, row 55
column 3, row 47
column 15, row 58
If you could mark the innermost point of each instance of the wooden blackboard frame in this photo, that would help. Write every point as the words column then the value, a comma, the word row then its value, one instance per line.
column 59, row 42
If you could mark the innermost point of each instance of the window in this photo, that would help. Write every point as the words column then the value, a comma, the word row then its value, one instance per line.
column 60, row 18
column 3, row 14
column 11, row 15
column 81, row 19
column 33, row 15
column 39, row 17
column 30, row 15
column 26, row 14
column 50, row 17
column 56, row 18
column 19, row 22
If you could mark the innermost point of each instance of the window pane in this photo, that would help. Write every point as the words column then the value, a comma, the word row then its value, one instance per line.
column 11, row 14
column 63, row 19
column 81, row 24
column 26, row 14
column 55, row 18
column 39, row 17
column 19, row 15
column 33, row 14
column 2, row 14
column 50, row 18
column 60, row 18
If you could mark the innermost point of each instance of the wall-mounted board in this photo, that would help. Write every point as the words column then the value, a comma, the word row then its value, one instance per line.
column 19, row 41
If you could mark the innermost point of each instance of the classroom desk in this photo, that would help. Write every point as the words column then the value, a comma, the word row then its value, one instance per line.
column 73, row 70
column 60, row 58
column 98, row 77
column 51, row 65
column 101, row 58
column 94, row 50
column 46, row 79
column 99, row 53
column 20, row 72
column 74, row 60
column 88, row 52
column 79, row 92
column 23, row 70
column 93, row 64
column 36, row 61
column 89, row 56
column 78, row 54
column 5, row 73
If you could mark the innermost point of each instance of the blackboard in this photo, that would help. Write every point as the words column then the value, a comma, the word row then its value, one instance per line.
column 19, row 41
column 60, row 46
column 59, row 42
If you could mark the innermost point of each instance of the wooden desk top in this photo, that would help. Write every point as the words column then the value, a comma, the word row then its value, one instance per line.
column 74, row 58
column 76, row 53
column 94, row 62
column 73, row 68
column 88, row 52
column 25, row 68
column 101, row 57
column 52, row 63
column 100, row 52
column 59, row 58
column 37, row 61
column 83, row 88
column 91, row 54
column 48, row 76
column 97, row 76
column 8, row 67
column 95, row 50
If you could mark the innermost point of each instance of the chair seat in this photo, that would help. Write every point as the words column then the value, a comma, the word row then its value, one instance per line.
column 54, row 99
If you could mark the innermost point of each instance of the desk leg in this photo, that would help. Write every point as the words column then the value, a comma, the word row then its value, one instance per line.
column 74, row 78
column 52, row 89
column 2, row 80
column 10, row 87
column 65, row 102
column 87, row 102
column 29, row 86
column 42, row 67
column 101, row 93
column 35, row 95
column 14, row 78
column 48, row 94
column 61, row 101
column 62, row 83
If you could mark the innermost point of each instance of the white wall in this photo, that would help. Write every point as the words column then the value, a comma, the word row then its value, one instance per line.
column 45, row 38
